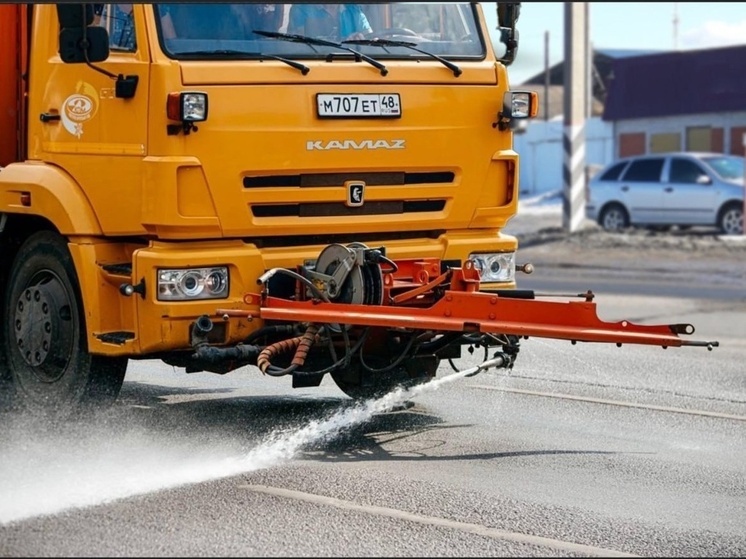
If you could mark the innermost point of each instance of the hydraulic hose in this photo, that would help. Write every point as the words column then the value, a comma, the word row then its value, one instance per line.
column 301, row 345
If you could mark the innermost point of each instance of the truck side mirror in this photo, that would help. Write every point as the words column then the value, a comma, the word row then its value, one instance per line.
column 81, row 42
column 507, row 16
column 84, row 44
column 74, row 15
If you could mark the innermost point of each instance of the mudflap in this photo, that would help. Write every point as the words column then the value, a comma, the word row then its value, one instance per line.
column 306, row 380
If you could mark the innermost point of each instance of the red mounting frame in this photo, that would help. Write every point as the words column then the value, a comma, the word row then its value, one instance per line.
column 416, row 297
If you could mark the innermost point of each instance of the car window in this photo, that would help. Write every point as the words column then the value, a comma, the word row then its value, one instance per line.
column 613, row 173
column 644, row 170
column 729, row 167
column 685, row 171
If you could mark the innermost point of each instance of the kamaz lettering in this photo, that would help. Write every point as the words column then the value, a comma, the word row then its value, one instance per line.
column 352, row 144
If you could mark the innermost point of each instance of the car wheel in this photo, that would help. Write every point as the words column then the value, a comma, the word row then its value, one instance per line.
column 730, row 221
column 614, row 218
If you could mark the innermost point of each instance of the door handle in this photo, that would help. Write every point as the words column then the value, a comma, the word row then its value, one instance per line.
column 49, row 117
column 668, row 189
column 625, row 188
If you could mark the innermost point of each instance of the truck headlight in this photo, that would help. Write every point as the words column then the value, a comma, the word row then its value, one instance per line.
column 494, row 267
column 520, row 104
column 187, row 106
column 191, row 284
column 517, row 106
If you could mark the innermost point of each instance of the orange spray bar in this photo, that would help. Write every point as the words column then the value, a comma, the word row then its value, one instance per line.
column 457, row 311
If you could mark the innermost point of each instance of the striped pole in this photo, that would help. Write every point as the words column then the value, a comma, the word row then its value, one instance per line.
column 743, row 217
column 575, row 104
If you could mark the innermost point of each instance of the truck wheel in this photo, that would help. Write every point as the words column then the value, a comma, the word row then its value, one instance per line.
column 360, row 384
column 354, row 384
column 44, row 335
column 730, row 220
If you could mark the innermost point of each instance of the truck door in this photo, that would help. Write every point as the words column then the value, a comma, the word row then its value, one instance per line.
column 84, row 128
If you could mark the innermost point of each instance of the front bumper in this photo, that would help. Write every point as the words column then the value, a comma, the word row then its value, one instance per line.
column 164, row 326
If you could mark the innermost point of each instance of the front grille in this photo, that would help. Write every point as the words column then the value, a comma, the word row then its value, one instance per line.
column 275, row 241
column 310, row 180
column 329, row 209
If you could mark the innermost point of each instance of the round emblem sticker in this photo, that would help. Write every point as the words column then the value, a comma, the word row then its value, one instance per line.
column 77, row 109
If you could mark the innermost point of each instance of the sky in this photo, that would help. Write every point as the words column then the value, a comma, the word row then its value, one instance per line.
column 623, row 25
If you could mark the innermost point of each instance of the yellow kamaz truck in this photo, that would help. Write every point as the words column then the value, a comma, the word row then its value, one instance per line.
column 305, row 189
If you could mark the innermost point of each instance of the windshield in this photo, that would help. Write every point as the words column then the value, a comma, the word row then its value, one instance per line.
column 225, row 31
column 728, row 167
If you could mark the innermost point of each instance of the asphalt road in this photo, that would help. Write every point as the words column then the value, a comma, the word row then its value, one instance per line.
column 584, row 450
column 573, row 281
column 580, row 450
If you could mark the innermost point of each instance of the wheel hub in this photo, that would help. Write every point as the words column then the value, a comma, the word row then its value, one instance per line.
column 41, row 335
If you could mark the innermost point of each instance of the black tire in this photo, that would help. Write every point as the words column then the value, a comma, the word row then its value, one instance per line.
column 730, row 219
column 44, row 336
column 614, row 218
column 361, row 384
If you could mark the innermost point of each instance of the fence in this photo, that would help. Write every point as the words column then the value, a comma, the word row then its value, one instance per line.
column 542, row 154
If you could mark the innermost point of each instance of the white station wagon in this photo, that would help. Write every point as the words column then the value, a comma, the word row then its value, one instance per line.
column 661, row 190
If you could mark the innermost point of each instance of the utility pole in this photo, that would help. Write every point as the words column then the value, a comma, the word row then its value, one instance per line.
column 575, row 107
column 743, row 216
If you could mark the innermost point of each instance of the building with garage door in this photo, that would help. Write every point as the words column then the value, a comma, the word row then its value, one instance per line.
column 643, row 102
column 684, row 100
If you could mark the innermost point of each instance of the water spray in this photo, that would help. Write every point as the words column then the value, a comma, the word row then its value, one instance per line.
column 163, row 467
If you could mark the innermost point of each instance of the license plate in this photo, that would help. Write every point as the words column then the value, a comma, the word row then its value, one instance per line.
column 358, row 105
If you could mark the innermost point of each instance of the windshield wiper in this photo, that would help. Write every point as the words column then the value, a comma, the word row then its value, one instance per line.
column 389, row 43
column 248, row 56
column 311, row 41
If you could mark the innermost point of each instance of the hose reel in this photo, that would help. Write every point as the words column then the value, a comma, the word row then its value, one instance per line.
column 348, row 274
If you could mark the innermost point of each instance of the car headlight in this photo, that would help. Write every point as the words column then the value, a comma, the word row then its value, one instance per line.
column 494, row 267
column 193, row 284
